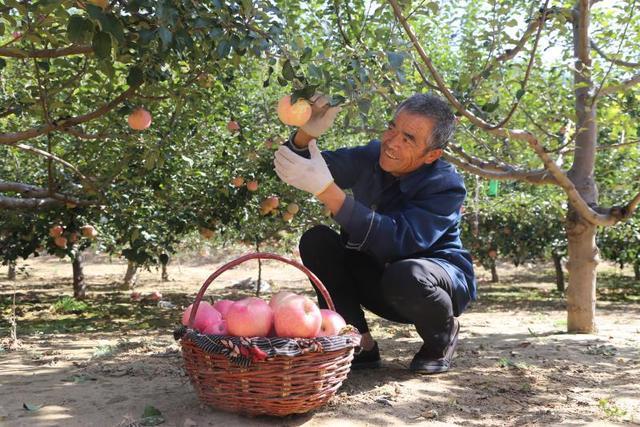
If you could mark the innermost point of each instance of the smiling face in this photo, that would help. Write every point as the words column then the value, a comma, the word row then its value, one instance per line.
column 404, row 144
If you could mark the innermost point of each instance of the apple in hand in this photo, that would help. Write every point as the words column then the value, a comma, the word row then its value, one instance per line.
column 297, row 317
column 332, row 322
column 249, row 317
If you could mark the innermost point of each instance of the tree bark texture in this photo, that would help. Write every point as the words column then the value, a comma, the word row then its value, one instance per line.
column 581, row 235
column 79, row 284
column 557, row 262
column 494, row 272
column 131, row 276
column 11, row 275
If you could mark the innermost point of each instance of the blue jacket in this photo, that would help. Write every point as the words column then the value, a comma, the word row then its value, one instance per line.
column 413, row 216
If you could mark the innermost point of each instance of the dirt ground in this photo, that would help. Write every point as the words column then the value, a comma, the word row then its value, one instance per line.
column 515, row 365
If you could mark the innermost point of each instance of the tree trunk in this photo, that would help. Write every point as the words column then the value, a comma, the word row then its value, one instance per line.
column 636, row 270
column 494, row 272
column 11, row 275
column 79, row 285
column 165, row 275
column 581, row 291
column 131, row 276
column 557, row 262
column 581, row 235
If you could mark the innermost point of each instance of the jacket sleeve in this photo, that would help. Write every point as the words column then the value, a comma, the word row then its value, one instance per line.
column 398, row 234
column 345, row 164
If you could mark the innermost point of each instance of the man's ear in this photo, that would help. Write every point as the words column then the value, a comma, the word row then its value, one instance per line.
column 433, row 155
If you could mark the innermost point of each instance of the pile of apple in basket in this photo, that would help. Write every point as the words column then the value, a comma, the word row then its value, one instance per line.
column 286, row 315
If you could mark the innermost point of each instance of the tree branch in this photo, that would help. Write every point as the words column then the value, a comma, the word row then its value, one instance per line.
column 13, row 203
column 50, row 156
column 607, row 90
column 527, row 73
column 496, row 170
column 560, row 178
column 12, row 52
column 12, row 138
column 35, row 197
column 620, row 62
column 509, row 53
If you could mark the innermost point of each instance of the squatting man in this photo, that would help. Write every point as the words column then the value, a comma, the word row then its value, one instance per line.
column 398, row 253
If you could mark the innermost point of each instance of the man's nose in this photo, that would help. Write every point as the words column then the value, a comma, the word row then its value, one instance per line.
column 392, row 137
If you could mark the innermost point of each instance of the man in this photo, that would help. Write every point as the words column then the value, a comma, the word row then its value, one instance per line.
column 399, row 253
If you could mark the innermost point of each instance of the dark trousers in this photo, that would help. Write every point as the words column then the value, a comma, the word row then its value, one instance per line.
column 416, row 291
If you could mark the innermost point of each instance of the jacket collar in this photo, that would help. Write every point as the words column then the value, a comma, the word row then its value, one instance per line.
column 410, row 181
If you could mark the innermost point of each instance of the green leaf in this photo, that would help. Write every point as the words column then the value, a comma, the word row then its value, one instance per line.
column 101, row 44
column 111, row 25
column 135, row 77
column 364, row 105
column 287, row 71
column 165, row 36
column 79, row 29
column 434, row 7
column 520, row 93
column 491, row 106
column 223, row 48
column 336, row 100
column 306, row 54
column 31, row 407
column 395, row 59
column 151, row 416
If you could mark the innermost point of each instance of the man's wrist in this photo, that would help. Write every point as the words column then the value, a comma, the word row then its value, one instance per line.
column 332, row 197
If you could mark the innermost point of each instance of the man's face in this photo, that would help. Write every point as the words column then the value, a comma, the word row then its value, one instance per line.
column 404, row 144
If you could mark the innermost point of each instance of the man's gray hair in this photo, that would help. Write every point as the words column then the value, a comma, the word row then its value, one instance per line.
column 435, row 108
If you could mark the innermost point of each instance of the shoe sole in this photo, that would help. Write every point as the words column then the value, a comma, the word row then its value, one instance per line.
column 366, row 365
column 429, row 372
column 449, row 354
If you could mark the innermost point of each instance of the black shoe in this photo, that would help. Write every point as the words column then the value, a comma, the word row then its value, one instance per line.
column 367, row 359
column 425, row 363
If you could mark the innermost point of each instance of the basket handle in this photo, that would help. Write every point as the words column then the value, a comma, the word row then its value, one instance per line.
column 258, row 255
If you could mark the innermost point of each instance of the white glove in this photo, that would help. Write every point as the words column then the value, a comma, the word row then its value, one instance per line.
column 322, row 116
column 310, row 175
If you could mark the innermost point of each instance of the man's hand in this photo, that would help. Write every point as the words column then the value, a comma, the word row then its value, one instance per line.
column 322, row 116
column 310, row 175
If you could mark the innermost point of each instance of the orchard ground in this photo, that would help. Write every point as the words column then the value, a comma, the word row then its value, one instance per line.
column 102, row 363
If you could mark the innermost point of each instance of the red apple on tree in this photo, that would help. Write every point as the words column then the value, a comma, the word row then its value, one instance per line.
column 60, row 242
column 252, row 185
column 139, row 119
column 287, row 216
column 89, row 231
column 56, row 231
column 296, row 114
column 237, row 182
column 233, row 126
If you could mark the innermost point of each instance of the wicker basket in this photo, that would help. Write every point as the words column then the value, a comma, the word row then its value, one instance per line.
column 280, row 385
